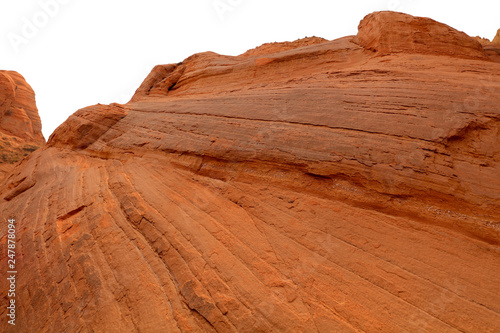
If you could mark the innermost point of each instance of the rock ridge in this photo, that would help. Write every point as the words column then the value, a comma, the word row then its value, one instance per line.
column 392, row 32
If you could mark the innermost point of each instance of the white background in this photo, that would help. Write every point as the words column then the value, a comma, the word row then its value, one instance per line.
column 84, row 52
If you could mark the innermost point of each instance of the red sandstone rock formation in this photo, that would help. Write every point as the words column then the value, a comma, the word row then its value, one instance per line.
column 391, row 32
column 20, row 126
column 496, row 39
column 492, row 49
column 322, row 187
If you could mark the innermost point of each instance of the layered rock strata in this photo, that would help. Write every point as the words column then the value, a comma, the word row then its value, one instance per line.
column 329, row 186
column 20, row 125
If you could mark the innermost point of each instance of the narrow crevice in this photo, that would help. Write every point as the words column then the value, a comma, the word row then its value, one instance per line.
column 71, row 213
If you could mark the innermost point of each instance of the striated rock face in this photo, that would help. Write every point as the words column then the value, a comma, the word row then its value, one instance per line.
column 284, row 46
column 18, row 113
column 313, row 188
column 390, row 32
column 20, row 125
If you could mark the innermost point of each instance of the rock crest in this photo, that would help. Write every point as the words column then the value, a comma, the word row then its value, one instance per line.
column 392, row 32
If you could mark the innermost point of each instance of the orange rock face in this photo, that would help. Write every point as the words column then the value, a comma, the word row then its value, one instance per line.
column 390, row 32
column 483, row 41
column 321, row 187
column 496, row 39
column 20, row 125
column 492, row 49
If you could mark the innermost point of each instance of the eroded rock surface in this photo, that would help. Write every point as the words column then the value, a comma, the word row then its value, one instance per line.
column 496, row 39
column 317, row 188
column 391, row 32
column 20, row 125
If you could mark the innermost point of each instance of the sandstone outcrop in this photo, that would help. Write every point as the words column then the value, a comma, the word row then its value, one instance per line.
column 496, row 39
column 20, row 125
column 391, row 32
column 483, row 41
column 492, row 49
column 322, row 187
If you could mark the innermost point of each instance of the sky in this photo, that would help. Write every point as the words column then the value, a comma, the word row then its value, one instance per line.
column 76, row 53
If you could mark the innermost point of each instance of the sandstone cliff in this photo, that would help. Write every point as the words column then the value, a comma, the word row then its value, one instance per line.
column 314, row 186
column 20, row 126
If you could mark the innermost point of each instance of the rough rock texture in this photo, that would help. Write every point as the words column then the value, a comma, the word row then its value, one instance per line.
column 284, row 46
column 20, row 125
column 483, row 41
column 491, row 49
column 496, row 39
column 391, row 32
column 322, row 188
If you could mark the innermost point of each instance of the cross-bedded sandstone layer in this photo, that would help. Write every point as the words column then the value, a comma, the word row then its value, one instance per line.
column 330, row 186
